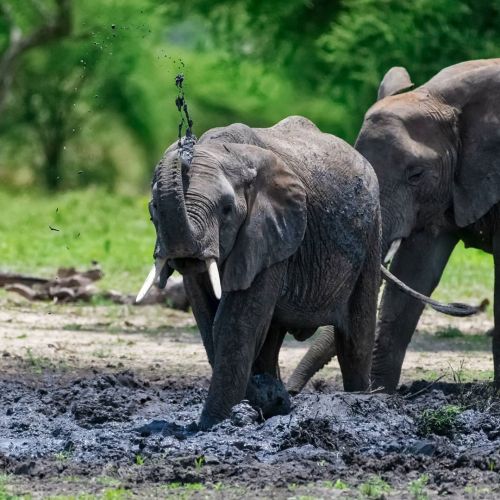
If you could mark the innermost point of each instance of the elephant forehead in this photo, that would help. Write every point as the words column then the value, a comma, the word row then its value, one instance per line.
column 392, row 139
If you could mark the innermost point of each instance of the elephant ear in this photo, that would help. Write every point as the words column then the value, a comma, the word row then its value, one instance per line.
column 476, row 186
column 275, row 222
column 395, row 81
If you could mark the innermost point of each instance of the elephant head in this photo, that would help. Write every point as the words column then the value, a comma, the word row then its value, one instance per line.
column 435, row 149
column 234, row 209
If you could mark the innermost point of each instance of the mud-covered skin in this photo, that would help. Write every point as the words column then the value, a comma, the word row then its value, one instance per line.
column 291, row 216
column 268, row 395
column 327, row 435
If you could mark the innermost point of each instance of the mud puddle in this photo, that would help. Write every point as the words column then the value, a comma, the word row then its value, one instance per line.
column 137, row 429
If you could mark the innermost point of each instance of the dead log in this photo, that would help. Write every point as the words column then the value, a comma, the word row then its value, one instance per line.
column 11, row 278
column 71, row 285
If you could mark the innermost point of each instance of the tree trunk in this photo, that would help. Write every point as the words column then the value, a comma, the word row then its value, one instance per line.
column 52, row 164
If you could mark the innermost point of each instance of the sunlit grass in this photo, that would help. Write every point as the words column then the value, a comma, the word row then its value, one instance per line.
column 115, row 231
column 87, row 225
column 468, row 276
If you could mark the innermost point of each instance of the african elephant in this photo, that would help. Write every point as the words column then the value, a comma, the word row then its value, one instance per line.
column 273, row 229
column 436, row 152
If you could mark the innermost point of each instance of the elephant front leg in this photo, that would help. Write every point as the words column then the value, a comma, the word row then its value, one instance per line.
column 496, row 330
column 204, row 306
column 239, row 331
column 419, row 263
column 265, row 389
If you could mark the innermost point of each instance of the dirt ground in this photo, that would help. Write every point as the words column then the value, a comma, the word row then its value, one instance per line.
column 98, row 400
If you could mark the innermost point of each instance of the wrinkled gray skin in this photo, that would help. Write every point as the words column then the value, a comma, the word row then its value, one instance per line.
column 292, row 217
column 436, row 152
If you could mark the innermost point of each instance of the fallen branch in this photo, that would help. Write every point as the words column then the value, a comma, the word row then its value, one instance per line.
column 426, row 388
column 71, row 285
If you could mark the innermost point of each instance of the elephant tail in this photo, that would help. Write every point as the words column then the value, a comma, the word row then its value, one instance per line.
column 453, row 309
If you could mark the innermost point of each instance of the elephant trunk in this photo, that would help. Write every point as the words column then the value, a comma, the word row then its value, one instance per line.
column 319, row 354
column 176, row 232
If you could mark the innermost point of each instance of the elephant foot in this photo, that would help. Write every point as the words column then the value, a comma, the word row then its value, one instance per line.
column 268, row 395
column 265, row 394
column 383, row 384
column 207, row 422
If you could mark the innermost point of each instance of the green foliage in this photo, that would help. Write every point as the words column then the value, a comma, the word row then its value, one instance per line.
column 187, row 486
column 449, row 332
column 4, row 494
column 375, row 487
column 468, row 276
column 74, row 98
column 417, row 487
column 96, row 107
column 370, row 36
column 37, row 363
column 441, row 421
column 336, row 485
column 199, row 462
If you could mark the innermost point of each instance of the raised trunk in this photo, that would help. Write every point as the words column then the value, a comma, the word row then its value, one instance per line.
column 175, row 231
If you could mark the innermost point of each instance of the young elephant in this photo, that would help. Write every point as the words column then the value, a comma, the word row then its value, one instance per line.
column 289, row 218
column 436, row 152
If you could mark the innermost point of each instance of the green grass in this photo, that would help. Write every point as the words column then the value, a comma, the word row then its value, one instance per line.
column 93, row 225
column 375, row 487
column 115, row 231
column 441, row 421
column 468, row 276
column 416, row 488
column 449, row 332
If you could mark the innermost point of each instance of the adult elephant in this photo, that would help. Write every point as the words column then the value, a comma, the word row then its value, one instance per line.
column 436, row 152
column 273, row 229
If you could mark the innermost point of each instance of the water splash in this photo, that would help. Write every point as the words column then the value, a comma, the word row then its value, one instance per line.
column 186, row 143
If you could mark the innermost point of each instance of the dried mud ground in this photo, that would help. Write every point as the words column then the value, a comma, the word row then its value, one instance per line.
column 95, row 402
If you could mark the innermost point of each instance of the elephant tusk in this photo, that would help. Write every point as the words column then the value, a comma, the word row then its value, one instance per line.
column 152, row 277
column 392, row 250
column 213, row 273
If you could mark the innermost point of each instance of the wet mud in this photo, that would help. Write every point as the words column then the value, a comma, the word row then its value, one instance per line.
column 138, row 429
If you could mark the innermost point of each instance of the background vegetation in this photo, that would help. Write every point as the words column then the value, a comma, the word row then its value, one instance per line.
column 87, row 101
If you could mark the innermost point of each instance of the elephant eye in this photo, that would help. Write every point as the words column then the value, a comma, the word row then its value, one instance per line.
column 226, row 209
column 414, row 174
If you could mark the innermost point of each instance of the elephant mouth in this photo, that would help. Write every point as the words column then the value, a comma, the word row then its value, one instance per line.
column 187, row 265
column 162, row 269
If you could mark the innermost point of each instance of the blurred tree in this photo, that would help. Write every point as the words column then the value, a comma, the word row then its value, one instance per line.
column 99, row 97
column 55, row 24
column 91, row 79
column 425, row 36
column 340, row 50
column 282, row 33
